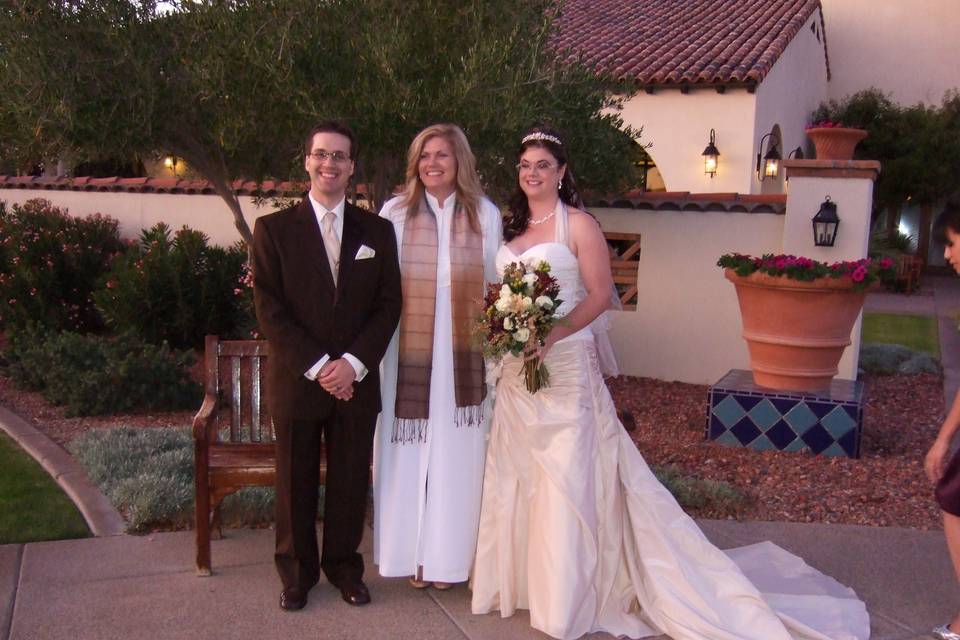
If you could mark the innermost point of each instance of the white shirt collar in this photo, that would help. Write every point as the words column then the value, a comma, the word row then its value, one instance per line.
column 448, row 202
column 319, row 211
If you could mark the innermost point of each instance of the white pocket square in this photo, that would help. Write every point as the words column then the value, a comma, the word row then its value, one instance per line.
column 365, row 252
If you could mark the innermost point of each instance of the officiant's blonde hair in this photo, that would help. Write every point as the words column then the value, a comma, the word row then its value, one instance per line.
column 467, row 185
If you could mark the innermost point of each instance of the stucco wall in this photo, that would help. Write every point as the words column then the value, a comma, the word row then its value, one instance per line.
column 796, row 84
column 907, row 48
column 853, row 197
column 679, row 126
column 138, row 211
column 687, row 323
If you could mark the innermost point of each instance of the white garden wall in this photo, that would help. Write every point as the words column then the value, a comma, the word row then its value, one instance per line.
column 137, row 211
column 687, row 323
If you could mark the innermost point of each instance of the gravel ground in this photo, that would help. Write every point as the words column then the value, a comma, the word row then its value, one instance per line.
column 885, row 487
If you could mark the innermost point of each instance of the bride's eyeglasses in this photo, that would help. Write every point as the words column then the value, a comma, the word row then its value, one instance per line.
column 542, row 165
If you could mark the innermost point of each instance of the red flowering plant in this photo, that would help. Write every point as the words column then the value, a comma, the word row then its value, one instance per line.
column 827, row 124
column 518, row 314
column 862, row 272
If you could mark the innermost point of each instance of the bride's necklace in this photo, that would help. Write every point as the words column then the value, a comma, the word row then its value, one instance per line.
column 543, row 219
column 547, row 217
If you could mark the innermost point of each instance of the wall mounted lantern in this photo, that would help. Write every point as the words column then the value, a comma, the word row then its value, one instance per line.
column 170, row 162
column 711, row 156
column 768, row 166
column 825, row 224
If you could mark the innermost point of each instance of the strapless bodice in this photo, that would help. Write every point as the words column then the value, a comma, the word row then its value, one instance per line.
column 563, row 266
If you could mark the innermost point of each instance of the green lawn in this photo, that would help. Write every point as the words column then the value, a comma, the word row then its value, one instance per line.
column 32, row 506
column 917, row 332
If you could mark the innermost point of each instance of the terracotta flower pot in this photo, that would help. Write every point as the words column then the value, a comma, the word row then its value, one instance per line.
column 835, row 143
column 796, row 331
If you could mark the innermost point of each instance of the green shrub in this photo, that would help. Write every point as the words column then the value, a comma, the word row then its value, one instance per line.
column 25, row 358
column 722, row 499
column 148, row 476
column 895, row 244
column 95, row 375
column 174, row 288
column 50, row 263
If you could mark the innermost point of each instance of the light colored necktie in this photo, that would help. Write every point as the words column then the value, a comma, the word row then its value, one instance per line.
column 331, row 243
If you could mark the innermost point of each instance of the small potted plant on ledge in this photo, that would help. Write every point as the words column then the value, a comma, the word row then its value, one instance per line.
column 798, row 313
column 833, row 140
column 833, row 135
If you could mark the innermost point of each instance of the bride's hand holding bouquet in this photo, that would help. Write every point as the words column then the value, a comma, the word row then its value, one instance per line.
column 519, row 313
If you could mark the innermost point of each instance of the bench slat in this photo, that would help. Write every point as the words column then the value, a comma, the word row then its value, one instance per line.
column 255, row 425
column 235, row 407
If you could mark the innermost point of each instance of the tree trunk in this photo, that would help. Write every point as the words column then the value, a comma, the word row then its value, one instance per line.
column 380, row 179
column 215, row 171
column 923, row 231
column 893, row 220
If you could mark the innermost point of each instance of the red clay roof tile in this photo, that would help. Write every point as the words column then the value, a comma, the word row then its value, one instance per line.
column 679, row 42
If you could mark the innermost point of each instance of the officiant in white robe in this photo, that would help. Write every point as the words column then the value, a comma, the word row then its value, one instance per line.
column 430, row 445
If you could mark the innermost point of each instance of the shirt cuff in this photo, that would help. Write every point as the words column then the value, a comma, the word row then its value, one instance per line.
column 358, row 367
column 314, row 371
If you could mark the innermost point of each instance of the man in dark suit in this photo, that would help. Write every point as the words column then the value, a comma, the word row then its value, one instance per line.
column 327, row 289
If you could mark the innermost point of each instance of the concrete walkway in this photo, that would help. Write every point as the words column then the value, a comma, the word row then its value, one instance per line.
column 145, row 587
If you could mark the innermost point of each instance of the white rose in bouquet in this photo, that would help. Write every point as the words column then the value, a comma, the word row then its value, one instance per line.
column 544, row 302
column 527, row 303
column 521, row 335
column 505, row 300
column 530, row 280
column 508, row 324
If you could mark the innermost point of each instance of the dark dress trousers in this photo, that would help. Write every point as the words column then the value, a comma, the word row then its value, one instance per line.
column 304, row 315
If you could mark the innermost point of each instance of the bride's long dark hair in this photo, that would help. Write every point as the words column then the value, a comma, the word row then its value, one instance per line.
column 519, row 209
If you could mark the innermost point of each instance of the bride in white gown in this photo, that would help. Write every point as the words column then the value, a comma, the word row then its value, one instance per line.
column 574, row 526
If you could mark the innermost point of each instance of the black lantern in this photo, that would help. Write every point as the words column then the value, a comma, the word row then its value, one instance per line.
column 711, row 156
column 769, row 165
column 825, row 224
column 796, row 154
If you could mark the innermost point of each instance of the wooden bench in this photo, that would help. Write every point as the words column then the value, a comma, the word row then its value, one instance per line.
column 233, row 434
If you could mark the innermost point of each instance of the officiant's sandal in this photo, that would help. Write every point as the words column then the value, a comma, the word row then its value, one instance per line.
column 943, row 633
column 418, row 584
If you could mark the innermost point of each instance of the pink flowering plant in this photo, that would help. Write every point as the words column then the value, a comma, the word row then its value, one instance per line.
column 50, row 265
column 862, row 273
column 519, row 312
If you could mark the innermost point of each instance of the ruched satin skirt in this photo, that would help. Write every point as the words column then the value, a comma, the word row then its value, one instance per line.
column 576, row 528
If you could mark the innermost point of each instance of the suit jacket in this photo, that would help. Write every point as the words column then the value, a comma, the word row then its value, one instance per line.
column 304, row 316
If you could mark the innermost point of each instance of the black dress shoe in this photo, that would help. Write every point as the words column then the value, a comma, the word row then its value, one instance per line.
column 354, row 592
column 292, row 600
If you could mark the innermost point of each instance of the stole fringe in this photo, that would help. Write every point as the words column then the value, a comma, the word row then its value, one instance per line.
column 410, row 430
column 469, row 416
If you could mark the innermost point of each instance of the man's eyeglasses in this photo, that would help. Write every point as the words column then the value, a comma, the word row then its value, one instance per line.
column 542, row 165
column 336, row 156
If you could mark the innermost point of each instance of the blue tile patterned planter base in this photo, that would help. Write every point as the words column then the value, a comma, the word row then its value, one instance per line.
column 742, row 414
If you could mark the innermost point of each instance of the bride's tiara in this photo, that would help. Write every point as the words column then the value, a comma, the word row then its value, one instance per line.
column 539, row 135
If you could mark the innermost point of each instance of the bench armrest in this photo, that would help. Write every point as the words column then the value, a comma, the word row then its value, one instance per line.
column 203, row 421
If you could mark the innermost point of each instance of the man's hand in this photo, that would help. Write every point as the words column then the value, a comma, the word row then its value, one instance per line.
column 337, row 377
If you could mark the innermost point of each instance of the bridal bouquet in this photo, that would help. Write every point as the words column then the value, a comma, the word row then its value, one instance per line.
column 518, row 314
